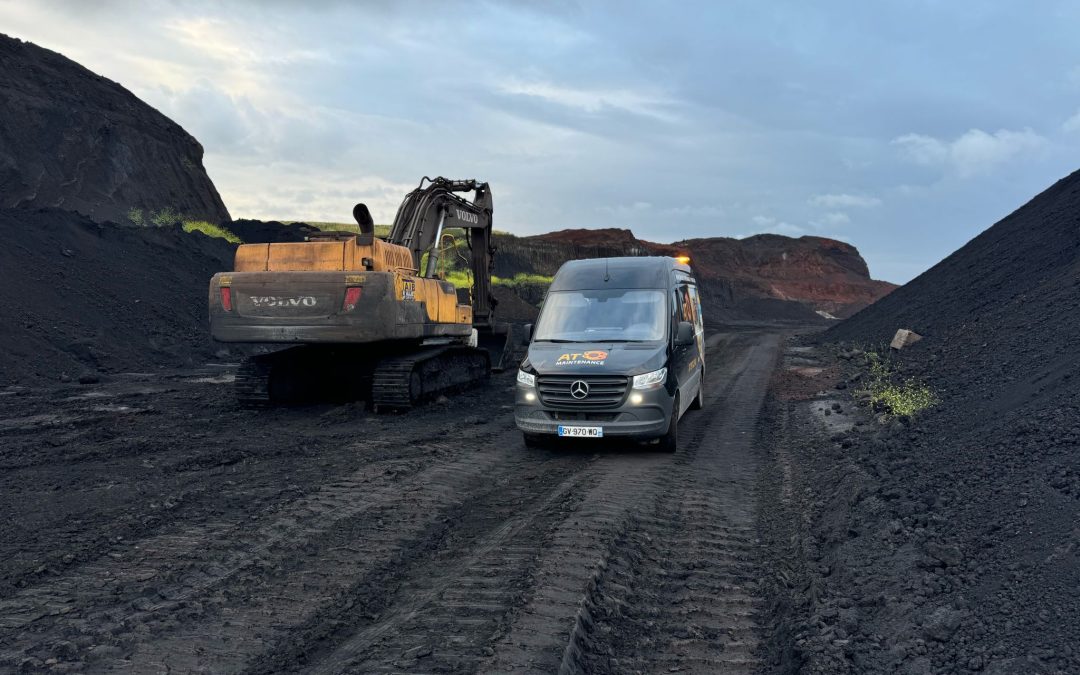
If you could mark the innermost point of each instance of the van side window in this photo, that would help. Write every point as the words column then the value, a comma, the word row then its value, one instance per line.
column 696, row 300
column 687, row 306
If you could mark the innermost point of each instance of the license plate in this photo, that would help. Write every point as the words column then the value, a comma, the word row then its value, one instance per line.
column 582, row 432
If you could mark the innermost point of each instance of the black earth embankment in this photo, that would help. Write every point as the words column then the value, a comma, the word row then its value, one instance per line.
column 72, row 139
column 81, row 299
column 956, row 538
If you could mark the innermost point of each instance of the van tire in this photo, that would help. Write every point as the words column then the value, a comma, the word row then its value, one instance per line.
column 532, row 441
column 699, row 401
column 669, row 442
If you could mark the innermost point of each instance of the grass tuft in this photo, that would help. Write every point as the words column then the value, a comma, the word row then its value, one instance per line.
column 211, row 230
column 895, row 397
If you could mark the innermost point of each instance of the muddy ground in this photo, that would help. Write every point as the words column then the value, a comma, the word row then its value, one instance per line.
column 152, row 526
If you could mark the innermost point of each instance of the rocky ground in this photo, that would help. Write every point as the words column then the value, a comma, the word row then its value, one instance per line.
column 896, row 551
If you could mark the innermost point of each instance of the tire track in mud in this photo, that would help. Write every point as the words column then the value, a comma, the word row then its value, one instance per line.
column 696, row 546
column 194, row 573
column 446, row 613
column 337, row 570
column 682, row 593
column 651, row 526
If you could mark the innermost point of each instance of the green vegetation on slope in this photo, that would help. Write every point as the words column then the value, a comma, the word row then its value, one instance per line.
column 890, row 394
column 167, row 216
column 211, row 230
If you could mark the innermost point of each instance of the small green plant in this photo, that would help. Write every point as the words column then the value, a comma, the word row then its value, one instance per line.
column 211, row 230
column 522, row 278
column 459, row 278
column 136, row 217
column 165, row 217
column 904, row 399
column 885, row 392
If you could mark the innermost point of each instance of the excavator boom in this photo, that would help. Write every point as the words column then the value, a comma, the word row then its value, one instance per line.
column 429, row 210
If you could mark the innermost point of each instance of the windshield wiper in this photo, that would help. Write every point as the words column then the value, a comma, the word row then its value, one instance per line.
column 553, row 340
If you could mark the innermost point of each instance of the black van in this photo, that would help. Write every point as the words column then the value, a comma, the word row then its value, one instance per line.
column 618, row 350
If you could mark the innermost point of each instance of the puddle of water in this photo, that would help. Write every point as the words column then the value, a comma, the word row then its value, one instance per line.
column 90, row 395
column 122, row 409
column 834, row 422
column 225, row 378
column 34, row 421
column 806, row 371
column 46, row 420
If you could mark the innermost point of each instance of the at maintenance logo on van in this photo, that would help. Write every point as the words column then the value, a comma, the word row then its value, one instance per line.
column 591, row 358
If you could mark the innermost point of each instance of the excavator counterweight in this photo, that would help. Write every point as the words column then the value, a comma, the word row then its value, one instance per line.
column 366, row 316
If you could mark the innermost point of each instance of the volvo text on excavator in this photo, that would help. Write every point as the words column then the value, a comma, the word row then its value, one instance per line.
column 369, row 318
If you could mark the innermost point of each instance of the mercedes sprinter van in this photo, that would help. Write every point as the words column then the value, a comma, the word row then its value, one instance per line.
column 618, row 351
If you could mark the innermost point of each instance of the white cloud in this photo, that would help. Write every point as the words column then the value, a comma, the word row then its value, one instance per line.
column 1072, row 124
column 707, row 211
column 843, row 201
column 832, row 219
column 323, row 195
column 976, row 151
column 763, row 221
column 592, row 101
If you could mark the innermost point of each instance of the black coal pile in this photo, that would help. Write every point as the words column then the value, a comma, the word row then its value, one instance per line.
column 79, row 299
column 269, row 231
column 72, row 139
column 951, row 542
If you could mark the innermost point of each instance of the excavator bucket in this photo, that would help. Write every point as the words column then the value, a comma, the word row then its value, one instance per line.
column 498, row 340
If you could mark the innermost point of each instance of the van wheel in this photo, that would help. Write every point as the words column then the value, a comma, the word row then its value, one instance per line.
column 699, row 401
column 669, row 442
column 532, row 441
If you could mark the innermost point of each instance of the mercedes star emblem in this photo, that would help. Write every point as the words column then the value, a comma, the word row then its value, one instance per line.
column 579, row 389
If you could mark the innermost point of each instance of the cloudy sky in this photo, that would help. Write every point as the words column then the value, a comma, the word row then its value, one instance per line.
column 903, row 127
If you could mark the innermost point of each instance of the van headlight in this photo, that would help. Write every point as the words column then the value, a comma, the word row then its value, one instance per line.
column 526, row 379
column 650, row 380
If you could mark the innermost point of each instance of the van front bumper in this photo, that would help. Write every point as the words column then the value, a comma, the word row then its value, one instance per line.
column 644, row 420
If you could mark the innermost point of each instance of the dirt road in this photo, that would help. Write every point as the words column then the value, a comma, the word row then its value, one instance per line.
column 151, row 526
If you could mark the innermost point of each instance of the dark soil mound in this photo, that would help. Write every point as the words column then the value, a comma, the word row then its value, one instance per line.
column 82, row 298
column 74, row 140
column 258, row 231
column 980, row 497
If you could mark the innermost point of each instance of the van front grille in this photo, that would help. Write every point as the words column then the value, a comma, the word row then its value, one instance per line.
column 604, row 391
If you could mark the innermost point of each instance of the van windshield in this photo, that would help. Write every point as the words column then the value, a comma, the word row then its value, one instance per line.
column 609, row 315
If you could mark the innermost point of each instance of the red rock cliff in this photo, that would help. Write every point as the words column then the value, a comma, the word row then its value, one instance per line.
column 766, row 276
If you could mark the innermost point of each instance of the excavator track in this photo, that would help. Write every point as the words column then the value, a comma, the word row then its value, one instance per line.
column 252, row 385
column 393, row 382
column 400, row 382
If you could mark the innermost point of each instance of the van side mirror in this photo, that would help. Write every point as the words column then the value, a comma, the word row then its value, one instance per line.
column 685, row 334
column 527, row 333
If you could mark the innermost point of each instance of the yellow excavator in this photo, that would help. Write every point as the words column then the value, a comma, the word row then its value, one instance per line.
column 368, row 318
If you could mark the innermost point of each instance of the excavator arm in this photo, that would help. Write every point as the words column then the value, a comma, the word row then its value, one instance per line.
column 432, row 208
